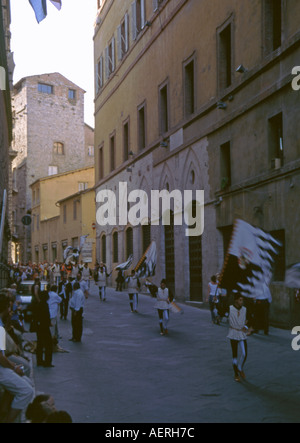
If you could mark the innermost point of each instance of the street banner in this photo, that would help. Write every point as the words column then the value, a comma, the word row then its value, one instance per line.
column 86, row 253
column 292, row 276
column 126, row 265
column 147, row 264
column 249, row 261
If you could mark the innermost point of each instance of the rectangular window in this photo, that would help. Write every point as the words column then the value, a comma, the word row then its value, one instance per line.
column 82, row 186
column 112, row 153
column 65, row 214
column 14, row 179
column 101, row 163
column 75, row 210
column 110, row 58
column 123, row 41
column 225, row 167
column 99, row 74
column 163, row 109
column 52, row 170
column 142, row 127
column 58, row 148
column 138, row 11
column 91, row 151
column 75, row 243
column 38, row 222
column 189, row 88
column 115, row 248
column 225, row 57
column 103, row 248
column 272, row 25
column 126, row 141
column 72, row 94
column 45, row 89
column 276, row 147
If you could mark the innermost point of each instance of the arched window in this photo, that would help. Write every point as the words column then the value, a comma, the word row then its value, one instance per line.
column 129, row 242
column 103, row 248
column 59, row 148
column 115, row 248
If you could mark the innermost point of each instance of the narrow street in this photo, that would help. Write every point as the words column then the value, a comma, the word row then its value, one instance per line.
column 125, row 372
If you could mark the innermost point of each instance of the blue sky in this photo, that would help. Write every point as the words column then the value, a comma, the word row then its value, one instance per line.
column 62, row 42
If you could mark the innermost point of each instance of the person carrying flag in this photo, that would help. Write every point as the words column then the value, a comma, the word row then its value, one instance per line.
column 238, row 336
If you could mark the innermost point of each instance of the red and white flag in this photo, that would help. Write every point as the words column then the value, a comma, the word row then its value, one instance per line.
column 56, row 3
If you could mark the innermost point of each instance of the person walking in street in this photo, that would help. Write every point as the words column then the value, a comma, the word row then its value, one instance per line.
column 120, row 280
column 54, row 303
column 101, row 281
column 163, row 305
column 65, row 292
column 262, row 310
column 238, row 336
column 86, row 274
column 133, row 290
column 43, row 332
column 56, row 272
column 18, row 390
column 213, row 299
column 77, row 306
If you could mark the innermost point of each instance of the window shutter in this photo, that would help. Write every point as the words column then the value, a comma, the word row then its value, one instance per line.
column 133, row 18
column 119, row 42
column 106, row 62
column 126, row 33
column 143, row 14
column 113, row 61
column 101, row 71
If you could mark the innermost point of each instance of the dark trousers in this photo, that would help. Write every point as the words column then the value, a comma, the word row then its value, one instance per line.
column 64, row 307
column 77, row 324
column 44, row 345
column 261, row 318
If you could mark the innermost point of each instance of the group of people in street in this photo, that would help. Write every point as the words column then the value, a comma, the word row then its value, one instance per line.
column 68, row 290
column 46, row 304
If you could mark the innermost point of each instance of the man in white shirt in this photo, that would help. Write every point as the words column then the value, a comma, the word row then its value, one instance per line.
column 77, row 306
column 54, row 302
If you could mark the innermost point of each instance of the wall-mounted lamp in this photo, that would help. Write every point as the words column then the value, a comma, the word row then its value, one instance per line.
column 241, row 69
column 164, row 144
column 218, row 201
column 221, row 105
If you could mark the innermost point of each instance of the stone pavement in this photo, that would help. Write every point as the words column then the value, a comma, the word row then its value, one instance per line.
column 125, row 372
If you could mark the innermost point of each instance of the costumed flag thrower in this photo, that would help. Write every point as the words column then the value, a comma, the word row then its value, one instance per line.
column 147, row 264
column 250, row 260
column 292, row 276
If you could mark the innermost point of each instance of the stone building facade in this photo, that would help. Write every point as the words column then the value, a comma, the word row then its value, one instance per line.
column 63, row 210
column 198, row 95
column 50, row 137
column 6, row 154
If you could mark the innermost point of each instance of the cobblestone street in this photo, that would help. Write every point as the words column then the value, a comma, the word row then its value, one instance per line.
column 125, row 372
